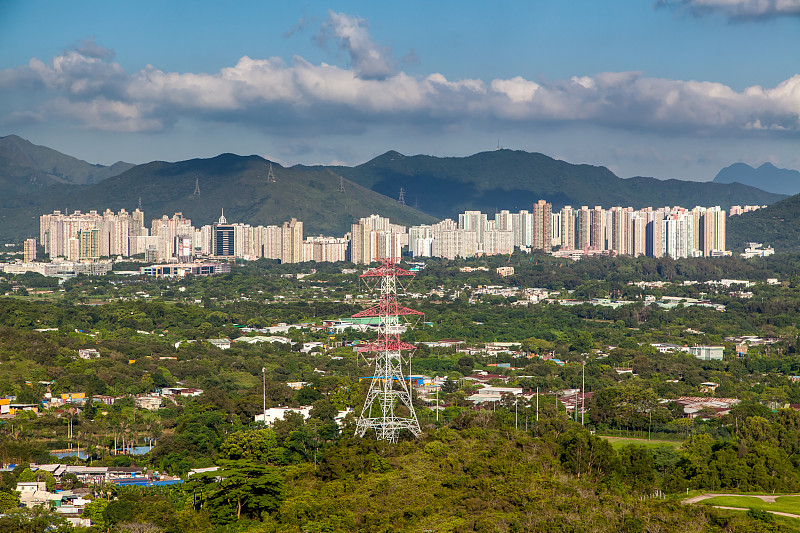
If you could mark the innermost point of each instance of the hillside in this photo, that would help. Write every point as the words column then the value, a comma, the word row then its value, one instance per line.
column 506, row 179
column 36, row 180
column 234, row 183
column 26, row 167
column 777, row 225
column 767, row 177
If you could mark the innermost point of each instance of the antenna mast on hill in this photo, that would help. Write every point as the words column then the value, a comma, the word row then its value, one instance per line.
column 270, row 175
column 402, row 199
column 388, row 389
column 196, row 187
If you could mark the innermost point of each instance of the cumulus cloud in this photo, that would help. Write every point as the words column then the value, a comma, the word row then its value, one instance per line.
column 736, row 9
column 85, row 86
column 351, row 34
column 90, row 48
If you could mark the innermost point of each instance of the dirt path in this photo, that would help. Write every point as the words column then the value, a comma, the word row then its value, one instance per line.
column 763, row 497
column 781, row 513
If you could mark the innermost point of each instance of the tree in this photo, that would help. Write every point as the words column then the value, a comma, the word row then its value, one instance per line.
column 308, row 395
column 8, row 501
column 33, row 520
column 94, row 511
column 465, row 365
column 323, row 410
column 239, row 489
column 449, row 386
column 258, row 445
column 26, row 476
column 118, row 511
column 583, row 453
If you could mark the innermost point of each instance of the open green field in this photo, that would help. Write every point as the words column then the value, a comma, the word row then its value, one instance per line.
column 784, row 504
column 618, row 442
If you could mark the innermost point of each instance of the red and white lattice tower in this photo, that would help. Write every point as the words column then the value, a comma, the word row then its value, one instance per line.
column 389, row 394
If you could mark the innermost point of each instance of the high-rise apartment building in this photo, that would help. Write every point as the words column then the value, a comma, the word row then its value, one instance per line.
column 164, row 230
column 711, row 229
column 29, row 251
column 89, row 244
column 473, row 221
column 456, row 243
column 597, row 240
column 223, row 238
column 292, row 241
column 654, row 247
column 584, row 228
column 679, row 235
column 568, row 228
column 542, row 226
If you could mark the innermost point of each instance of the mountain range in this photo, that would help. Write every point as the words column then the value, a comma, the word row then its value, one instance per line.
column 36, row 180
column 514, row 180
column 27, row 168
column 767, row 177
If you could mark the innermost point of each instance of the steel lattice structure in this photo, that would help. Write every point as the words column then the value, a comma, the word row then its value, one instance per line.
column 388, row 389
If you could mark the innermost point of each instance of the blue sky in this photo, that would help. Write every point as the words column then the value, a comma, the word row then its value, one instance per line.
column 665, row 88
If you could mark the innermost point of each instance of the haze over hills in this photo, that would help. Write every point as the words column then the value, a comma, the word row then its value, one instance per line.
column 506, row 179
column 26, row 167
column 234, row 183
column 767, row 177
column 440, row 187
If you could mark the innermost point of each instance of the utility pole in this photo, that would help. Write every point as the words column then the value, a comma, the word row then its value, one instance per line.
column 437, row 402
column 583, row 389
column 264, row 372
column 537, row 404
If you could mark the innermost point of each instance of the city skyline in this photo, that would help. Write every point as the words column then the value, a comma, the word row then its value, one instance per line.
column 656, row 232
column 670, row 89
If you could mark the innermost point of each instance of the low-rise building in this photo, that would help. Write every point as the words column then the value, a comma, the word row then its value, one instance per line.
column 708, row 353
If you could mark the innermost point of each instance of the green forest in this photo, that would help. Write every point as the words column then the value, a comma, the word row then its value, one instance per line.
column 513, row 465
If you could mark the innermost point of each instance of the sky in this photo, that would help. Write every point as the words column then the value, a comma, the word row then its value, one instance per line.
column 662, row 88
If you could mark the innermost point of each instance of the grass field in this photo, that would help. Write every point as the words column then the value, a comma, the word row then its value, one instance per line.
column 617, row 442
column 785, row 504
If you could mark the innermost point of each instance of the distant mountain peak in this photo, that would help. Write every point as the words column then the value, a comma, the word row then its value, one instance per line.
column 767, row 177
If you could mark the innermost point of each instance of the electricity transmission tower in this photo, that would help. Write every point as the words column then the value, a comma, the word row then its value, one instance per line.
column 341, row 185
column 389, row 395
column 270, row 175
column 402, row 199
column 196, row 187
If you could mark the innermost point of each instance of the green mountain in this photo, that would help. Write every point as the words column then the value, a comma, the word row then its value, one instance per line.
column 234, row 183
column 506, row 179
column 37, row 180
column 26, row 167
column 767, row 177
column 777, row 225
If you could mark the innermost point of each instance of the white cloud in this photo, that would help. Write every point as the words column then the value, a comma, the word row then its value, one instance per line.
column 736, row 9
column 369, row 59
column 85, row 86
